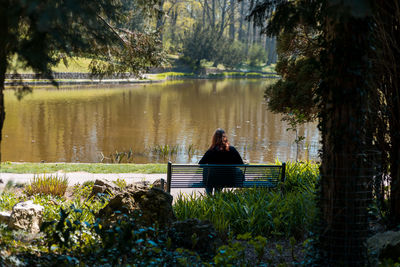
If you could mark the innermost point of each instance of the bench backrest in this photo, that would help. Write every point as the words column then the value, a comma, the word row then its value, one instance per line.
column 193, row 175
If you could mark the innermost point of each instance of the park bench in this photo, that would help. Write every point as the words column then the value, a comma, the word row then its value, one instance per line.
column 193, row 175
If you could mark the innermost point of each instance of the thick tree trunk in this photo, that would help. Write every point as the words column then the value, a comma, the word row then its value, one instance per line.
column 345, row 193
column 387, row 58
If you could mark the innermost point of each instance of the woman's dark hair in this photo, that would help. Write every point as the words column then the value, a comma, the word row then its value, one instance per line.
column 217, row 141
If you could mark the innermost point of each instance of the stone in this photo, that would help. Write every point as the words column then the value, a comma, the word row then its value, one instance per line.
column 160, row 183
column 102, row 186
column 196, row 235
column 150, row 206
column 5, row 217
column 26, row 216
column 155, row 206
column 384, row 246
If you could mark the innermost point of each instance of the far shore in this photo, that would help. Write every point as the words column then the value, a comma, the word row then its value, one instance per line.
column 73, row 78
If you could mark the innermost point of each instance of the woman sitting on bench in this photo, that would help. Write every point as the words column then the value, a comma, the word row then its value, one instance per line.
column 220, row 152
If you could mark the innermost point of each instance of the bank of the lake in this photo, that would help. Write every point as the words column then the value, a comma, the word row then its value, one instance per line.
column 83, row 78
column 26, row 167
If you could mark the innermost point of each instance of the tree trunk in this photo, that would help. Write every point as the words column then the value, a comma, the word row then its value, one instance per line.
column 272, row 56
column 3, row 65
column 213, row 13
column 241, row 20
column 160, row 18
column 223, row 15
column 248, row 37
column 232, row 20
column 344, row 195
column 174, row 18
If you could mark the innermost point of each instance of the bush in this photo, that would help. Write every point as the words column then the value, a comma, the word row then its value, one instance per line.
column 206, row 43
column 47, row 185
column 257, row 55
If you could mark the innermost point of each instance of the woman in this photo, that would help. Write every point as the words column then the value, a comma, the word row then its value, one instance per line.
column 220, row 152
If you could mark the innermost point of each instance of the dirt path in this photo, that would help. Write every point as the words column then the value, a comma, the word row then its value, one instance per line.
column 81, row 177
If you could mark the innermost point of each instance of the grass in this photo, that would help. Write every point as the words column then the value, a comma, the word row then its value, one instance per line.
column 81, row 167
column 288, row 210
column 47, row 185
column 164, row 75
column 74, row 64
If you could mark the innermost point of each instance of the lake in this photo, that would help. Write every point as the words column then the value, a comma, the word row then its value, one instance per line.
column 86, row 123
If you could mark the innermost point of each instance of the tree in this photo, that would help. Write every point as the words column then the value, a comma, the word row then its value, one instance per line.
column 387, row 104
column 342, row 96
column 41, row 33
column 207, row 43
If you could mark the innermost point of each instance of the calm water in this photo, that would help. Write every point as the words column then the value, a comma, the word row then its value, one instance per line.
column 77, row 125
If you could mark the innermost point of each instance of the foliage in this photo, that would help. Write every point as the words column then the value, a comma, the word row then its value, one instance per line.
column 287, row 210
column 72, row 236
column 122, row 244
column 47, row 185
column 67, row 234
column 206, row 43
column 257, row 55
column 231, row 54
column 8, row 200
column 298, row 64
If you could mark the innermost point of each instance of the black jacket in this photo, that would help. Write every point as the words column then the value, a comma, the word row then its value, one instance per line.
column 215, row 156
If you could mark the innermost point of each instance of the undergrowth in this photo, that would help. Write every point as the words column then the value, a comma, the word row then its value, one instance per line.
column 288, row 210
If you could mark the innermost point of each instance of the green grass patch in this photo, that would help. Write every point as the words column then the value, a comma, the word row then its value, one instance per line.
column 165, row 75
column 81, row 167
column 74, row 64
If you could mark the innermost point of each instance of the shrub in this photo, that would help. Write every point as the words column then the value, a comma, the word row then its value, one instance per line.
column 47, row 185
column 257, row 55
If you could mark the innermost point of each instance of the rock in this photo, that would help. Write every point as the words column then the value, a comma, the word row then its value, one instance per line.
column 26, row 216
column 5, row 217
column 384, row 246
column 102, row 186
column 196, row 235
column 155, row 206
column 140, row 184
column 161, row 184
column 121, row 203
column 149, row 206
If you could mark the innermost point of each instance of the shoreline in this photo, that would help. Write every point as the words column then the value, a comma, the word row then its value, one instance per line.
column 72, row 78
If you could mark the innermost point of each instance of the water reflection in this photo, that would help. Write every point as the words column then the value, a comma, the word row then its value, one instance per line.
column 76, row 125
